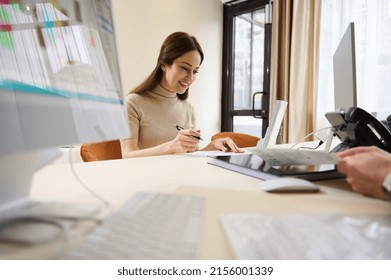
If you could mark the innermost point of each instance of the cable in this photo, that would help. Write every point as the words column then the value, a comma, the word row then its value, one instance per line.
column 308, row 135
column 106, row 203
column 313, row 148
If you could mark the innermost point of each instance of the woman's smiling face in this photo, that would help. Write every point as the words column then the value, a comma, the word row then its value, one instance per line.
column 181, row 73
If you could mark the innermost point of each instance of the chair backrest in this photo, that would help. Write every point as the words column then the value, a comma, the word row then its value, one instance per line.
column 242, row 140
column 101, row 150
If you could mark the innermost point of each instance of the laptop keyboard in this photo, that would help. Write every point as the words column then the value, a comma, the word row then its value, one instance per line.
column 148, row 226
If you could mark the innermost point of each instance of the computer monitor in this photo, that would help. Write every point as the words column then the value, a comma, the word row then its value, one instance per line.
column 344, row 65
column 59, row 85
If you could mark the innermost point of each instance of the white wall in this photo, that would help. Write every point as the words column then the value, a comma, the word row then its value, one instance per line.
column 141, row 28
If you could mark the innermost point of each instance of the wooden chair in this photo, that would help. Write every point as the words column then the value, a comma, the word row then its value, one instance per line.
column 242, row 140
column 106, row 150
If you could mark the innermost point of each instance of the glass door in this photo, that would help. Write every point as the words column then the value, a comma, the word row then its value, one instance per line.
column 245, row 96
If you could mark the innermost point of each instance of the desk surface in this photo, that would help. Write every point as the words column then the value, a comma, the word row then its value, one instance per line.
column 224, row 190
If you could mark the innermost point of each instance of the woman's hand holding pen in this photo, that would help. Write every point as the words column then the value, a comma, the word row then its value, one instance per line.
column 191, row 145
column 186, row 141
column 196, row 135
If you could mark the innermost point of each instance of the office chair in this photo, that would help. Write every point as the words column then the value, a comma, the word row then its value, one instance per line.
column 242, row 140
column 106, row 150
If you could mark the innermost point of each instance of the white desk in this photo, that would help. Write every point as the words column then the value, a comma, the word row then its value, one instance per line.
column 225, row 191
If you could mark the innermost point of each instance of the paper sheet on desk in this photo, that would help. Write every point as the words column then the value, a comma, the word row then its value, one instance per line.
column 211, row 153
column 295, row 157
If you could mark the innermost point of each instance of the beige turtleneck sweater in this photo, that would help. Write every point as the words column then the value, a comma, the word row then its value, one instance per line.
column 154, row 114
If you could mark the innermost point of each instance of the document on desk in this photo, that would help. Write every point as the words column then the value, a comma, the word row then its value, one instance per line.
column 212, row 154
column 277, row 157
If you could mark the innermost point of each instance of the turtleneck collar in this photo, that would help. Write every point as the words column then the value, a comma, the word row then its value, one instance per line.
column 161, row 93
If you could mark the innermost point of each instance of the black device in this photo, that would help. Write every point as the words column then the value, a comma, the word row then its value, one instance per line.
column 357, row 127
column 387, row 122
column 254, row 166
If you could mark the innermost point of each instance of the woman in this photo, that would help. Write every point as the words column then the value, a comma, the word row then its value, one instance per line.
column 159, row 106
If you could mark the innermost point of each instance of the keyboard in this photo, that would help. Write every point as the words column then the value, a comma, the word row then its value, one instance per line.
column 308, row 237
column 149, row 226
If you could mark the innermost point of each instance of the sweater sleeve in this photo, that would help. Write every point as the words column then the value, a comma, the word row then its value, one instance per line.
column 133, row 111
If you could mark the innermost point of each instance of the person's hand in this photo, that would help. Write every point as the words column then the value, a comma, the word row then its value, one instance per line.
column 365, row 169
column 186, row 141
column 223, row 144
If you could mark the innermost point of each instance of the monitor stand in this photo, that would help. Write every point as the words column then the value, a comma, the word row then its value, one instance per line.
column 32, row 221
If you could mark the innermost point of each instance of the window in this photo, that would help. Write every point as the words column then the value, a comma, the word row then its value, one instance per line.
column 373, row 53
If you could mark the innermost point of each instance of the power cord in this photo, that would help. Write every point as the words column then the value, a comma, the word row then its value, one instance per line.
column 312, row 148
column 105, row 202
column 308, row 135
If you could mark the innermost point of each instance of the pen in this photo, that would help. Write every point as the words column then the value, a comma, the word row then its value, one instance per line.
column 180, row 128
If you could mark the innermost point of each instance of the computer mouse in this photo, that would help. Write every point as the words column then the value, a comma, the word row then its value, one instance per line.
column 288, row 184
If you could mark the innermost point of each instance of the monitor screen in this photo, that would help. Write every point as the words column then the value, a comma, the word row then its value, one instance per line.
column 59, row 84
column 344, row 66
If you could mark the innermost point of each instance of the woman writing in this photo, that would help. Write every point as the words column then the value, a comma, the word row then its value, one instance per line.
column 159, row 104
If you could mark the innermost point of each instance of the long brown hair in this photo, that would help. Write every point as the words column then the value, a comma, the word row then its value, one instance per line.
column 174, row 46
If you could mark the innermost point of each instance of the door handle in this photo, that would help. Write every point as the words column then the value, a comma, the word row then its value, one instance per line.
column 262, row 110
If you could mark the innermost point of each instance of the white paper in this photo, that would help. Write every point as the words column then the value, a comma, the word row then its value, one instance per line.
column 295, row 157
column 211, row 153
